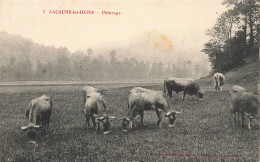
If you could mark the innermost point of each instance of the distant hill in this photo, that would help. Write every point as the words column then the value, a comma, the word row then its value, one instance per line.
column 20, row 55
column 24, row 49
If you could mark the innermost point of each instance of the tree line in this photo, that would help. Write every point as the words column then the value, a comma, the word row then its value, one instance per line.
column 235, row 35
column 23, row 60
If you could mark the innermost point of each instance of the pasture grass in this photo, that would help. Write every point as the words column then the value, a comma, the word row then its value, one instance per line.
column 204, row 131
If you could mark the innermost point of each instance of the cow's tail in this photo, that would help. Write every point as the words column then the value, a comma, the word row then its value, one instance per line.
column 104, row 107
column 164, row 84
column 51, row 103
column 32, row 108
column 128, row 111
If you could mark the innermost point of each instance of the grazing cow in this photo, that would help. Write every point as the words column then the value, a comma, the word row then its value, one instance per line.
column 219, row 80
column 95, row 109
column 187, row 85
column 38, row 113
column 244, row 103
column 140, row 100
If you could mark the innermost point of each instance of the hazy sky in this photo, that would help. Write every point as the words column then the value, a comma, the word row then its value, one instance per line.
column 166, row 24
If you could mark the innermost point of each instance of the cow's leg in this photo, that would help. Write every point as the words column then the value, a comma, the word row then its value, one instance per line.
column 166, row 90
column 48, row 120
column 184, row 94
column 38, row 119
column 44, row 122
column 170, row 93
column 41, row 120
column 238, row 120
column 249, row 123
column 134, row 113
column 243, row 120
column 48, row 116
column 93, row 119
column 43, row 125
column 234, row 116
column 216, row 86
column 159, row 118
column 47, row 125
column 142, row 118
column 87, row 120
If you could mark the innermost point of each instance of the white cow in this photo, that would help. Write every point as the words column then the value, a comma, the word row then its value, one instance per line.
column 38, row 113
column 219, row 80
column 95, row 109
column 142, row 99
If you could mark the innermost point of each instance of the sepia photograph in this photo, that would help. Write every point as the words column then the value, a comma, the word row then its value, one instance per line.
column 129, row 80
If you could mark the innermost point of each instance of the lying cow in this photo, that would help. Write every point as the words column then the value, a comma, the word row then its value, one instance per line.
column 95, row 109
column 187, row 85
column 140, row 100
column 243, row 103
column 219, row 80
column 38, row 113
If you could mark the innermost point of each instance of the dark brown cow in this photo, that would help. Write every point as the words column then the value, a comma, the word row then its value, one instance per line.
column 189, row 86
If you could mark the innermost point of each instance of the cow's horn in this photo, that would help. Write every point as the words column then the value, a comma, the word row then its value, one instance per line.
column 37, row 126
column 168, row 113
column 101, row 118
column 112, row 117
column 106, row 132
column 177, row 112
column 30, row 126
column 24, row 128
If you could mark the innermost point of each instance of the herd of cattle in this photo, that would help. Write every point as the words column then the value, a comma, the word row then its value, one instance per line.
column 140, row 99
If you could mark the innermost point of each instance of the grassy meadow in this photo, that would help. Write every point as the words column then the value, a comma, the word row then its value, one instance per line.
column 204, row 131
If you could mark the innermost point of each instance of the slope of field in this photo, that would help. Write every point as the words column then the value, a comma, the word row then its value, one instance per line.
column 204, row 131
column 247, row 76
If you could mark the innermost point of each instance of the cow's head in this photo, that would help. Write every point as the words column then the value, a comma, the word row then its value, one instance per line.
column 31, row 130
column 104, row 123
column 171, row 115
column 126, row 124
column 200, row 94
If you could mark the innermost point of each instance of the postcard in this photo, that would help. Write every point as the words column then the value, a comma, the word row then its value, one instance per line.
column 121, row 80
